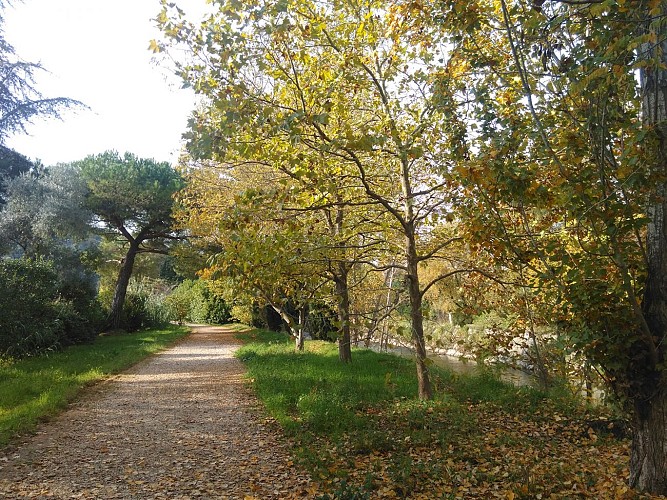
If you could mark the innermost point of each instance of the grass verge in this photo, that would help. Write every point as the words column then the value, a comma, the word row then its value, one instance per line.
column 35, row 388
column 361, row 433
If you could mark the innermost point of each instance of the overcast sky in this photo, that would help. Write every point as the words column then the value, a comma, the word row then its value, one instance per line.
column 96, row 51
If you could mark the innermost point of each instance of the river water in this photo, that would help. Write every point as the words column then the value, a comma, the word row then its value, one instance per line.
column 513, row 376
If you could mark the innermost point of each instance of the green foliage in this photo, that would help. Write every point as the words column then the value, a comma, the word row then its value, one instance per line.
column 28, row 292
column 145, row 305
column 43, row 216
column 12, row 164
column 80, row 321
column 132, row 192
column 321, row 322
column 35, row 388
column 131, row 199
column 36, row 315
column 192, row 300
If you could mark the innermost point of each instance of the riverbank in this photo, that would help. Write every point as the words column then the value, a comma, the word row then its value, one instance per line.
column 359, row 430
column 459, row 363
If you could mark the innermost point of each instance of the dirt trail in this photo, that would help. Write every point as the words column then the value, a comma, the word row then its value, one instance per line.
column 179, row 425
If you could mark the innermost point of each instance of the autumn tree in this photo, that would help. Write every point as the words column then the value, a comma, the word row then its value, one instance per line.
column 278, row 236
column 343, row 80
column 567, row 181
column 132, row 200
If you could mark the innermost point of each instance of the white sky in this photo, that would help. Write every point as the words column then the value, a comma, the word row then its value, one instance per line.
column 96, row 51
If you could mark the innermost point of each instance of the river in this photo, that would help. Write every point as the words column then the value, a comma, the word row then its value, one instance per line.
column 513, row 376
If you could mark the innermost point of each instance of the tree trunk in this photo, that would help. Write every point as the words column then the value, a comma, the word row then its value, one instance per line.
column 648, row 463
column 417, row 319
column 298, row 340
column 127, row 265
column 295, row 330
column 648, row 457
column 343, row 295
column 300, row 329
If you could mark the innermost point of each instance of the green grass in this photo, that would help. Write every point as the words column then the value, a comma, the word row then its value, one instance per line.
column 314, row 389
column 35, row 388
column 359, row 427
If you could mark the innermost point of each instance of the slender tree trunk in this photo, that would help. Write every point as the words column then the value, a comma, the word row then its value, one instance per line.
column 295, row 330
column 343, row 295
column 127, row 265
column 412, row 265
column 341, row 274
column 417, row 319
column 298, row 341
column 300, row 329
column 648, row 463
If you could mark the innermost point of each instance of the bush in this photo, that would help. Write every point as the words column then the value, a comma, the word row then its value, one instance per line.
column 145, row 305
column 321, row 322
column 193, row 301
column 218, row 312
column 28, row 291
column 37, row 315
column 79, row 323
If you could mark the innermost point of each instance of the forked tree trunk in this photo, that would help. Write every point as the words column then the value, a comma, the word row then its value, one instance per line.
column 296, row 330
column 123, row 280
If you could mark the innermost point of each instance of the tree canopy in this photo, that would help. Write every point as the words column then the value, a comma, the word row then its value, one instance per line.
column 514, row 133
column 132, row 200
column 20, row 100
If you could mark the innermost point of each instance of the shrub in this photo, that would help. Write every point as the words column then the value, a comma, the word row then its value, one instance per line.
column 78, row 322
column 28, row 291
column 145, row 305
column 193, row 301
column 218, row 312
column 321, row 322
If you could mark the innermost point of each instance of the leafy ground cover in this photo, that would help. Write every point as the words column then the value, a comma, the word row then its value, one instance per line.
column 361, row 433
column 32, row 389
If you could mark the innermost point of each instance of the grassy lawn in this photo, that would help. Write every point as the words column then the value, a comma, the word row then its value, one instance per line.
column 35, row 388
column 361, row 433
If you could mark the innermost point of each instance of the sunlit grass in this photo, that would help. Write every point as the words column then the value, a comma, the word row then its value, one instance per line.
column 35, row 388
column 360, row 427
column 313, row 389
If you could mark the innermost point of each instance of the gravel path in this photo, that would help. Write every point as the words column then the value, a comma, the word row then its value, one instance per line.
column 179, row 425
